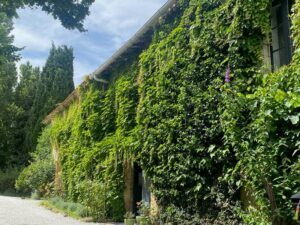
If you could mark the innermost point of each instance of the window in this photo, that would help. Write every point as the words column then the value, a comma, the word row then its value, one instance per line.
column 281, row 49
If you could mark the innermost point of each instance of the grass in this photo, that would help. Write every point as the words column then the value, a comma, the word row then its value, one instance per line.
column 74, row 210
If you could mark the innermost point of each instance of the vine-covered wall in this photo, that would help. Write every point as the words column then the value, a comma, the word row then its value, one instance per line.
column 95, row 138
column 181, row 109
column 198, row 138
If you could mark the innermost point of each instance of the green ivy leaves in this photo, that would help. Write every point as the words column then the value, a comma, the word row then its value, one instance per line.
column 197, row 139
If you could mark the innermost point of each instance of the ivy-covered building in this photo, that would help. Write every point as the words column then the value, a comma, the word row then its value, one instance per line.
column 200, row 107
column 137, row 186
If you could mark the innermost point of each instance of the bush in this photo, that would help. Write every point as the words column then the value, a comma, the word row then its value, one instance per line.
column 8, row 179
column 102, row 200
column 216, row 209
column 39, row 175
column 95, row 198
column 176, row 216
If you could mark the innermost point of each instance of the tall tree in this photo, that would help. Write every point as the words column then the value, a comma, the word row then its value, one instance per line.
column 24, row 99
column 54, row 85
column 8, row 79
column 71, row 13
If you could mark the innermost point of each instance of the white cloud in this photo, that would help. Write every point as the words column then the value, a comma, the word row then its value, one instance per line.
column 23, row 37
column 121, row 18
column 36, row 30
column 109, row 25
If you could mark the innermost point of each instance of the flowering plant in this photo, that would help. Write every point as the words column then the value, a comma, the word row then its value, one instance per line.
column 227, row 75
column 143, row 208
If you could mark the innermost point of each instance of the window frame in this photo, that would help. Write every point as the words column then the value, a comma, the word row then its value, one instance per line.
column 280, row 12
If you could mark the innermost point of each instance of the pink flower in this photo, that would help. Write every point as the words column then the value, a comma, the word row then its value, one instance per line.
column 227, row 75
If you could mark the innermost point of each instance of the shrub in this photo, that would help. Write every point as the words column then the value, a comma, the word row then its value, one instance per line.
column 175, row 216
column 95, row 198
column 39, row 175
column 8, row 179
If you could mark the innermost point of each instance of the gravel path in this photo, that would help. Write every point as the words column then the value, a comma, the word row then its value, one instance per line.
column 17, row 211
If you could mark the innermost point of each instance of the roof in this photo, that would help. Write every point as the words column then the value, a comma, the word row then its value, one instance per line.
column 136, row 44
column 132, row 48
column 62, row 106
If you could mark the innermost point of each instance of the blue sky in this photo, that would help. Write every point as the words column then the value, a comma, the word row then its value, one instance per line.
column 110, row 24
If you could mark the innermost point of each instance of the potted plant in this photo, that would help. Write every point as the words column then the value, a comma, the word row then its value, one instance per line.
column 129, row 219
column 144, row 213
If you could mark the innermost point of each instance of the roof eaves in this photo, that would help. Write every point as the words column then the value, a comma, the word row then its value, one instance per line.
column 62, row 106
column 136, row 40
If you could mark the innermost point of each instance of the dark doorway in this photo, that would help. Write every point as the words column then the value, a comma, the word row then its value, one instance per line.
column 141, row 188
column 137, row 187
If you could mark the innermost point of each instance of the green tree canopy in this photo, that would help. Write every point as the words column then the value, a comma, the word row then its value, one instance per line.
column 8, row 79
column 54, row 85
column 24, row 99
column 71, row 13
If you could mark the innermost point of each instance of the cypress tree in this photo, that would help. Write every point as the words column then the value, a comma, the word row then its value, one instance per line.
column 54, row 85
column 8, row 79
column 24, row 99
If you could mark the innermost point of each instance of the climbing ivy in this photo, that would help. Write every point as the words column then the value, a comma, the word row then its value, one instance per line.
column 203, row 140
column 182, row 145
column 262, row 127
column 95, row 137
